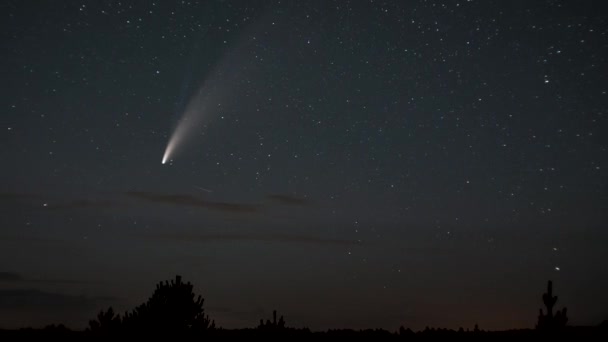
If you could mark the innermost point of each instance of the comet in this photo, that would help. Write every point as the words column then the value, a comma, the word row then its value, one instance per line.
column 219, row 86
column 203, row 106
column 190, row 123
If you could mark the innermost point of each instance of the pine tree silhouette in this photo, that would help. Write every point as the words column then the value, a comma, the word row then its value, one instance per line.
column 106, row 323
column 172, row 308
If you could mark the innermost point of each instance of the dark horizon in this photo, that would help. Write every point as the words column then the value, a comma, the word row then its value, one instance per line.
column 169, row 300
column 354, row 164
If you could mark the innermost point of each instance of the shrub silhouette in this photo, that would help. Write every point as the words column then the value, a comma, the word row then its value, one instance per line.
column 274, row 325
column 549, row 321
column 107, row 322
column 172, row 308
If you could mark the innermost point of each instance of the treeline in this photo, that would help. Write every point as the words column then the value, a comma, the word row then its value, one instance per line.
column 428, row 334
column 174, row 310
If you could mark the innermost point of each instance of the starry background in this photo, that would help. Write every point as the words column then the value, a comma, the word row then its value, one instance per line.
column 360, row 164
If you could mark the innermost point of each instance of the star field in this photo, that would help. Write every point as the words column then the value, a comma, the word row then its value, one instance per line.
column 356, row 164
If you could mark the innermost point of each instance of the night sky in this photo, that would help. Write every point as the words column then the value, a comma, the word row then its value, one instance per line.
column 352, row 164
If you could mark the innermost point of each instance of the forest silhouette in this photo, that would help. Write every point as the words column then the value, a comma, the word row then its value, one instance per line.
column 174, row 309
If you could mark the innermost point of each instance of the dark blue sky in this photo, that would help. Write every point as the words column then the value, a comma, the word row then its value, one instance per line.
column 352, row 163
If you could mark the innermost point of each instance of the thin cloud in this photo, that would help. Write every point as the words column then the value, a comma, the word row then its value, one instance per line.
column 58, row 281
column 80, row 204
column 188, row 200
column 10, row 276
column 288, row 200
column 9, row 238
column 14, row 196
column 18, row 277
column 39, row 201
column 36, row 299
column 284, row 238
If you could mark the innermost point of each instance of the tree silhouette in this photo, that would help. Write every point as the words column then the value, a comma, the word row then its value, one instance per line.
column 549, row 321
column 107, row 322
column 274, row 325
column 172, row 308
